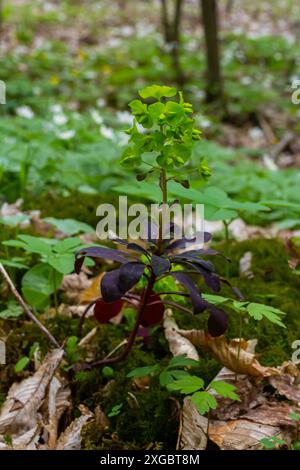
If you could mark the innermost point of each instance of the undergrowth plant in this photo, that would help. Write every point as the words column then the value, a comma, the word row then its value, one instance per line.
column 161, row 142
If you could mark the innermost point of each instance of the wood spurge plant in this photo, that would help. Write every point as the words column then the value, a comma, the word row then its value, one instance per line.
column 168, row 142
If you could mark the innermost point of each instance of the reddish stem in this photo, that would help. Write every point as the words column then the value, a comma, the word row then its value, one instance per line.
column 112, row 360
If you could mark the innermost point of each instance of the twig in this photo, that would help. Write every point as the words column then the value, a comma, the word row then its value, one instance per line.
column 26, row 308
column 285, row 141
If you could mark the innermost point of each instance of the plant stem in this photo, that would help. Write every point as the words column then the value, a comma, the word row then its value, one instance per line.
column 240, row 344
column 164, row 188
column 112, row 360
column 55, row 291
column 226, row 227
column 26, row 308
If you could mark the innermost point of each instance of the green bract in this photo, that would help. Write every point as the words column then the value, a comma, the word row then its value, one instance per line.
column 162, row 128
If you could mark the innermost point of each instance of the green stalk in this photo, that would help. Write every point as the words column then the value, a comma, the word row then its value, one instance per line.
column 55, row 291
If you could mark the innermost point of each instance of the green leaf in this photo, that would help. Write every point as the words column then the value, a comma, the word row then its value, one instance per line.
column 157, row 92
column 143, row 371
column 63, row 263
column 260, row 311
column 294, row 416
column 13, row 263
column 13, row 310
column 115, row 411
column 37, row 284
column 155, row 110
column 21, row 364
column 138, row 107
column 182, row 361
column 175, row 113
column 204, row 402
column 67, row 245
column 37, row 245
column 69, row 226
column 167, row 378
column 225, row 390
column 272, row 442
column 131, row 158
column 188, row 384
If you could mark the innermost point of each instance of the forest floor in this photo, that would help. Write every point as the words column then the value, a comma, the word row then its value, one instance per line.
column 70, row 69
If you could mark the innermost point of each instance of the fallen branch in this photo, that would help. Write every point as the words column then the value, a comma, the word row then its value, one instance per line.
column 26, row 308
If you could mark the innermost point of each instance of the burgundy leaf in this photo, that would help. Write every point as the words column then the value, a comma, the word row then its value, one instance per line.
column 199, row 304
column 217, row 323
column 104, row 311
column 130, row 274
column 160, row 265
column 110, row 286
column 154, row 310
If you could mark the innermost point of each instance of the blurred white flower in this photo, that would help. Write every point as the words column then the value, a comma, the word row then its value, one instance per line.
column 246, row 80
column 66, row 135
column 255, row 133
column 25, row 112
column 101, row 102
column 96, row 116
column 60, row 119
column 107, row 132
column 56, row 109
column 124, row 117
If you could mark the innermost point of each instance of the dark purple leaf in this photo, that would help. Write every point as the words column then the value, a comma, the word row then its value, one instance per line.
column 185, row 259
column 110, row 286
column 104, row 253
column 217, row 323
column 199, row 304
column 179, row 243
column 137, row 248
column 129, row 276
column 78, row 264
column 160, row 265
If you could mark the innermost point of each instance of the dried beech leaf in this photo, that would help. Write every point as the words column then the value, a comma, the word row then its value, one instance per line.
column 58, row 401
column 28, row 395
column 27, row 441
column 241, row 434
column 70, row 439
column 74, row 284
column 227, row 353
column 178, row 344
column 193, row 428
column 92, row 292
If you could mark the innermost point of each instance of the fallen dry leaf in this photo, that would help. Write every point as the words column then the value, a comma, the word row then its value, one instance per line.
column 227, row 353
column 193, row 428
column 20, row 412
column 240, row 434
column 178, row 344
column 70, row 439
column 58, row 400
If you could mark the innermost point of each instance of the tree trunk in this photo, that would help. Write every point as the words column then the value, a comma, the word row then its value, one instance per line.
column 214, row 88
column 171, row 30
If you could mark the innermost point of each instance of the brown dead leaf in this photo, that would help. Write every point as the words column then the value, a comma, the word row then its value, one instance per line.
column 92, row 292
column 178, row 344
column 193, row 428
column 56, row 403
column 240, row 434
column 74, row 284
column 70, row 439
column 227, row 353
column 29, row 395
